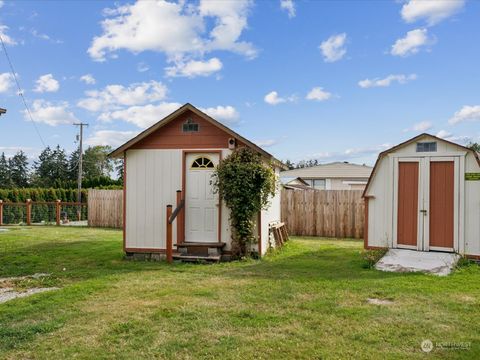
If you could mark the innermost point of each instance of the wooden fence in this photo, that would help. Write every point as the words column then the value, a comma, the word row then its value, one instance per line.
column 329, row 213
column 105, row 208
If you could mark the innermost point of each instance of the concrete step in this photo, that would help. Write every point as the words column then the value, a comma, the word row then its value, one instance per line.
column 197, row 258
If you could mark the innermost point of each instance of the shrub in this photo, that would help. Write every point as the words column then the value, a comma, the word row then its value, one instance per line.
column 371, row 257
column 245, row 181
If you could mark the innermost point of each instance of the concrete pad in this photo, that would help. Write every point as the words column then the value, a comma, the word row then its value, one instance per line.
column 402, row 260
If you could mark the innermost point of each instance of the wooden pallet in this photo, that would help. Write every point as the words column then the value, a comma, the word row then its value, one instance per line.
column 280, row 233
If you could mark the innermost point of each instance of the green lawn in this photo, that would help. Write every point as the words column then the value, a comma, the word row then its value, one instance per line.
column 308, row 300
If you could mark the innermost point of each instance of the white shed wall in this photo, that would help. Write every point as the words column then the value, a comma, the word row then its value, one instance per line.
column 153, row 177
column 472, row 209
column 270, row 215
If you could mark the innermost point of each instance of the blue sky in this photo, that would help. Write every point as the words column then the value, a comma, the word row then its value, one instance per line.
column 339, row 80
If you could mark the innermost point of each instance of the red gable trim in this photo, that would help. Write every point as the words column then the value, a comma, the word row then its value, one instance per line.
column 120, row 150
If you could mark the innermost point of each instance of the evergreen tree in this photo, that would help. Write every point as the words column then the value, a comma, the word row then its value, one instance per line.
column 18, row 167
column 5, row 181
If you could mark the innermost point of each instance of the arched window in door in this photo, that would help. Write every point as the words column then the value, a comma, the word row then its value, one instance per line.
column 202, row 162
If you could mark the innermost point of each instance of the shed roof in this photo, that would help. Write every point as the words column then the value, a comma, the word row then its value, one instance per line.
column 189, row 107
column 343, row 170
column 408, row 142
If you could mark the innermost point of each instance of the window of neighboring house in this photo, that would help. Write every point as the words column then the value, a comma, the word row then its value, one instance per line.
column 318, row 184
column 190, row 126
column 427, row 146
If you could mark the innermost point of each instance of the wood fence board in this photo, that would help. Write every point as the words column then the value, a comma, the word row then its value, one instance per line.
column 328, row 213
column 105, row 208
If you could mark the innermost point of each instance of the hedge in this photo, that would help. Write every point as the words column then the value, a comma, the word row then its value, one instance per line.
column 41, row 194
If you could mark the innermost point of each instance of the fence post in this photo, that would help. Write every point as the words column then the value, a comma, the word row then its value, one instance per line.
column 57, row 212
column 1, row 212
column 29, row 212
column 169, row 236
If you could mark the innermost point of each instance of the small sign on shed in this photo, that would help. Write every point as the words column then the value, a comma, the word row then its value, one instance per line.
column 472, row 176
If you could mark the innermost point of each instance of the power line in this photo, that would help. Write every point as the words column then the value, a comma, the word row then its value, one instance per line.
column 20, row 92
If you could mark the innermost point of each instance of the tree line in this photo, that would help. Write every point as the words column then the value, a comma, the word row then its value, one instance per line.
column 55, row 168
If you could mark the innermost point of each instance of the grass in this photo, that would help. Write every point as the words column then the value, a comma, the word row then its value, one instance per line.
column 308, row 300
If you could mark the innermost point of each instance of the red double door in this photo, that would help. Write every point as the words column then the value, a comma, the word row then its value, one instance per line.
column 426, row 205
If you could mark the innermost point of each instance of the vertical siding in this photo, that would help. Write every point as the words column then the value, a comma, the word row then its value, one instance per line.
column 270, row 215
column 472, row 208
column 153, row 177
column 380, row 209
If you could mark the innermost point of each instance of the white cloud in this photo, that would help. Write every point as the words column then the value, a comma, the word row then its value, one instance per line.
column 46, row 83
column 194, row 68
column 443, row 134
column 6, row 82
column 273, row 98
column 466, row 113
column 51, row 114
column 432, row 11
column 333, row 49
column 88, row 79
column 142, row 67
column 110, row 137
column 8, row 40
column 176, row 29
column 411, row 43
column 1, row 3
column 289, row 7
column 318, row 94
column 115, row 96
column 422, row 126
column 352, row 153
column 45, row 37
column 387, row 81
column 141, row 116
column 266, row 143
column 226, row 114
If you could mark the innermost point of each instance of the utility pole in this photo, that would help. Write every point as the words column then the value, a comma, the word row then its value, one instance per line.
column 80, row 168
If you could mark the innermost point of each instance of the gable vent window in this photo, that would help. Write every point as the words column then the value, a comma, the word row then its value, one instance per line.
column 427, row 146
column 190, row 126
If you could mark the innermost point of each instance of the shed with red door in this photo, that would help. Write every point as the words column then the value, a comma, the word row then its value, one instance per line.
column 424, row 195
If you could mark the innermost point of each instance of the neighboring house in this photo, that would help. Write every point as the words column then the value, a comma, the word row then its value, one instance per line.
column 291, row 183
column 179, row 153
column 424, row 195
column 332, row 176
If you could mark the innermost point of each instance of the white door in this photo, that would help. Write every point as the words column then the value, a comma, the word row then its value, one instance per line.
column 201, row 204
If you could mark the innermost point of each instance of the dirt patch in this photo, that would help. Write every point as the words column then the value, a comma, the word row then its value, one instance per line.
column 375, row 301
column 7, row 294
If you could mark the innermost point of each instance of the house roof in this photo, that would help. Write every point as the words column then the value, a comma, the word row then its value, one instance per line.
column 189, row 107
column 285, row 180
column 331, row 170
column 408, row 142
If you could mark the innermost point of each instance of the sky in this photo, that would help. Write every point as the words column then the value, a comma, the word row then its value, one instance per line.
column 326, row 80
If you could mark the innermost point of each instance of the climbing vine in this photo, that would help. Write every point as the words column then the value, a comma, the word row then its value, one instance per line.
column 246, row 182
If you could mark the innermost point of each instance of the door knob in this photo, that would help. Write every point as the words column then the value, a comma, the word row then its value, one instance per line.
column 424, row 212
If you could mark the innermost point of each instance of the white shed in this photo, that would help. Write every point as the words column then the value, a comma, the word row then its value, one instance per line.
column 424, row 195
column 171, row 161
